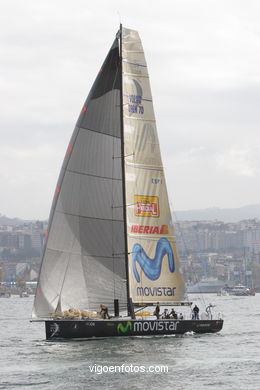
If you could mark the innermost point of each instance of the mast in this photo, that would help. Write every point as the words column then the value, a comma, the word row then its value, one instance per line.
column 123, row 169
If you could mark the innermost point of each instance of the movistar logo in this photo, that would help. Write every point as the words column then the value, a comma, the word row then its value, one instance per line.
column 122, row 329
column 152, row 267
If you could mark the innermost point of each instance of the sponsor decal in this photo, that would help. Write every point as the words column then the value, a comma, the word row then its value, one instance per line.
column 55, row 329
column 156, row 181
column 135, row 100
column 150, row 326
column 123, row 329
column 141, row 229
column 152, row 267
column 155, row 291
column 146, row 206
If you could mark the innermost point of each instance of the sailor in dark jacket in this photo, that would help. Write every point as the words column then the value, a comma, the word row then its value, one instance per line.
column 173, row 314
column 196, row 312
column 157, row 311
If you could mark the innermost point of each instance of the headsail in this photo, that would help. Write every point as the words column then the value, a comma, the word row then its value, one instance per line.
column 154, row 273
column 84, row 257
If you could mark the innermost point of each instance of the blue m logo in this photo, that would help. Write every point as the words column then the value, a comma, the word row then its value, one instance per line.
column 152, row 267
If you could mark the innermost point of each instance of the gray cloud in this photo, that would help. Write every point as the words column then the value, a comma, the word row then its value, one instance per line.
column 204, row 62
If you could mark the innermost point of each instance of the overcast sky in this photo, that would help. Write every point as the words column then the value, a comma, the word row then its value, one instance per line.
column 204, row 62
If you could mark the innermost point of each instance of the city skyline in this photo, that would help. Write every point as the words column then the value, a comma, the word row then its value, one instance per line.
column 203, row 61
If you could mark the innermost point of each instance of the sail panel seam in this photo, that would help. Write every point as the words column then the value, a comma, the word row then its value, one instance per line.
column 132, row 51
column 89, row 174
column 99, row 132
column 136, row 75
column 143, row 167
column 140, row 119
column 88, row 217
column 133, row 63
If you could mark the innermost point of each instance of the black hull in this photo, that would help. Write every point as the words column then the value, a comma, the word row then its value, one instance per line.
column 73, row 329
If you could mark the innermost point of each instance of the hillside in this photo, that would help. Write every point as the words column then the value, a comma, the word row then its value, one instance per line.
column 225, row 215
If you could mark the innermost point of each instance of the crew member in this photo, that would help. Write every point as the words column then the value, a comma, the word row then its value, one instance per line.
column 157, row 311
column 166, row 314
column 208, row 311
column 104, row 312
column 173, row 314
column 196, row 312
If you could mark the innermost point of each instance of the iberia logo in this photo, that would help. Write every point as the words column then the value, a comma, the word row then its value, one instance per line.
column 146, row 206
column 141, row 229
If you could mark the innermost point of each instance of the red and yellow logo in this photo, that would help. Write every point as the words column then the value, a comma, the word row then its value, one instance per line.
column 146, row 206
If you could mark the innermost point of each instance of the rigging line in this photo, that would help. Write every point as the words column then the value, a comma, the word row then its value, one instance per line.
column 83, row 255
column 51, row 301
column 112, row 189
column 129, row 309
column 65, row 273
column 112, row 212
column 199, row 247
column 119, row 254
column 127, row 205
column 187, row 251
column 127, row 155
column 141, row 308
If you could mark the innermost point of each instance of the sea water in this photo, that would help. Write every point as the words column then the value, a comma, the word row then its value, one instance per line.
column 226, row 360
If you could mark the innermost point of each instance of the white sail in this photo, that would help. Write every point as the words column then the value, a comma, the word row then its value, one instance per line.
column 154, row 271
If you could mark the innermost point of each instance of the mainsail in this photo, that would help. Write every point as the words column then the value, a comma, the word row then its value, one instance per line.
column 154, row 273
column 84, row 257
column 110, row 234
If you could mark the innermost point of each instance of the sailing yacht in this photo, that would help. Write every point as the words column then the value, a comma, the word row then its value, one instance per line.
column 110, row 239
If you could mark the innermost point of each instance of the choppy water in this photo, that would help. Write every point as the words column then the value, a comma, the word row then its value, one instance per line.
column 223, row 361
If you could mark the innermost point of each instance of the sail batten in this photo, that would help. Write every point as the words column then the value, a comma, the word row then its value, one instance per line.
column 95, row 131
column 88, row 174
column 136, row 75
